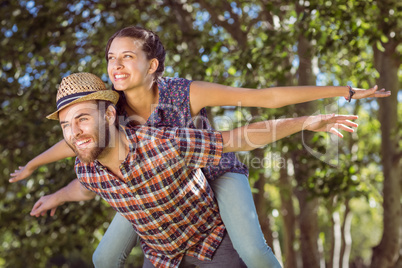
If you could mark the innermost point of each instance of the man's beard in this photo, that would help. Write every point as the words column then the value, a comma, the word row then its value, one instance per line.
column 101, row 144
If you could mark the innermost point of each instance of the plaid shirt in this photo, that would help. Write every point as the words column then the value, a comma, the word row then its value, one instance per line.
column 164, row 194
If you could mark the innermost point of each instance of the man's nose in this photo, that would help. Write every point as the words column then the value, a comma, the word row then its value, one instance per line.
column 75, row 129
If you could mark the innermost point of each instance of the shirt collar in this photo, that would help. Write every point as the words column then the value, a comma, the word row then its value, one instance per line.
column 132, row 141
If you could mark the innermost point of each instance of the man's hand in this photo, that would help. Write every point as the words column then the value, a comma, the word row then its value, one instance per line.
column 45, row 203
column 330, row 123
column 73, row 192
column 21, row 173
column 369, row 93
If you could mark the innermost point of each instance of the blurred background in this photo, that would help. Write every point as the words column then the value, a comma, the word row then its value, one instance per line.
column 322, row 201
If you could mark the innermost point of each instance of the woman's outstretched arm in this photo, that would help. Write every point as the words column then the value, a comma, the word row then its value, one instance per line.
column 204, row 94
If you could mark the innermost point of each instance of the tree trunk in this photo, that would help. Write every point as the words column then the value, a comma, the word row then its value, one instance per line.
column 346, row 236
column 387, row 63
column 308, row 218
column 336, row 240
column 398, row 263
column 288, row 216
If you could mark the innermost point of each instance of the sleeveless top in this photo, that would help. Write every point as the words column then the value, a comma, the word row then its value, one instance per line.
column 173, row 110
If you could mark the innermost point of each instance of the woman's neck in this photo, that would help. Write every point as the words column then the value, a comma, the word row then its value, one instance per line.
column 141, row 102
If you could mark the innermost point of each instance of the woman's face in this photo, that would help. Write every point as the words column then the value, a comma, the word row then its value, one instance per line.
column 128, row 66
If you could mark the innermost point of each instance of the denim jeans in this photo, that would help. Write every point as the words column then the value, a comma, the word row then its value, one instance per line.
column 237, row 209
column 238, row 213
column 116, row 244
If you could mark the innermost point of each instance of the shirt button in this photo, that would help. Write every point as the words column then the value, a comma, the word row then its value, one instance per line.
column 160, row 228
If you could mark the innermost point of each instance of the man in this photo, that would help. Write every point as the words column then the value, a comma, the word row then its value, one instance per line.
column 152, row 176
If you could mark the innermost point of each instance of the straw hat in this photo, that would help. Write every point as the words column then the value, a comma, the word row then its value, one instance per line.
column 81, row 87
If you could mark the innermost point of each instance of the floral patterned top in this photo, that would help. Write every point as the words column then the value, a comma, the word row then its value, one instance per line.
column 173, row 110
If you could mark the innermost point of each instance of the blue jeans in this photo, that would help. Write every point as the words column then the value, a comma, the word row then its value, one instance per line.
column 237, row 209
column 116, row 244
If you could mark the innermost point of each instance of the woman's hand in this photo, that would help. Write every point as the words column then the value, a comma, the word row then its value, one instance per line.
column 369, row 93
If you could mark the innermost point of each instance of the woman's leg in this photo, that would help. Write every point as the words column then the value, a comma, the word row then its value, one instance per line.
column 237, row 209
column 116, row 244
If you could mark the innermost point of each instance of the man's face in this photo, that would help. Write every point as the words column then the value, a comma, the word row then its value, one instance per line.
column 85, row 130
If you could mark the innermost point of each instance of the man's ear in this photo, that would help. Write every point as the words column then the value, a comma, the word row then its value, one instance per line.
column 153, row 66
column 111, row 115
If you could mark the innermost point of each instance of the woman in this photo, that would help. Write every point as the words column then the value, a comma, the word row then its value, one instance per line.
column 135, row 59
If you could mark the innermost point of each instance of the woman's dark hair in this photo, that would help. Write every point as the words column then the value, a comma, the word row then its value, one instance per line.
column 120, row 105
column 152, row 46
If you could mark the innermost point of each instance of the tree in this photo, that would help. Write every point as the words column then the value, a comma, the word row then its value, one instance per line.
column 387, row 60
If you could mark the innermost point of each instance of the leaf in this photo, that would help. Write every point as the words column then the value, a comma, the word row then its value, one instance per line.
column 379, row 46
column 231, row 70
